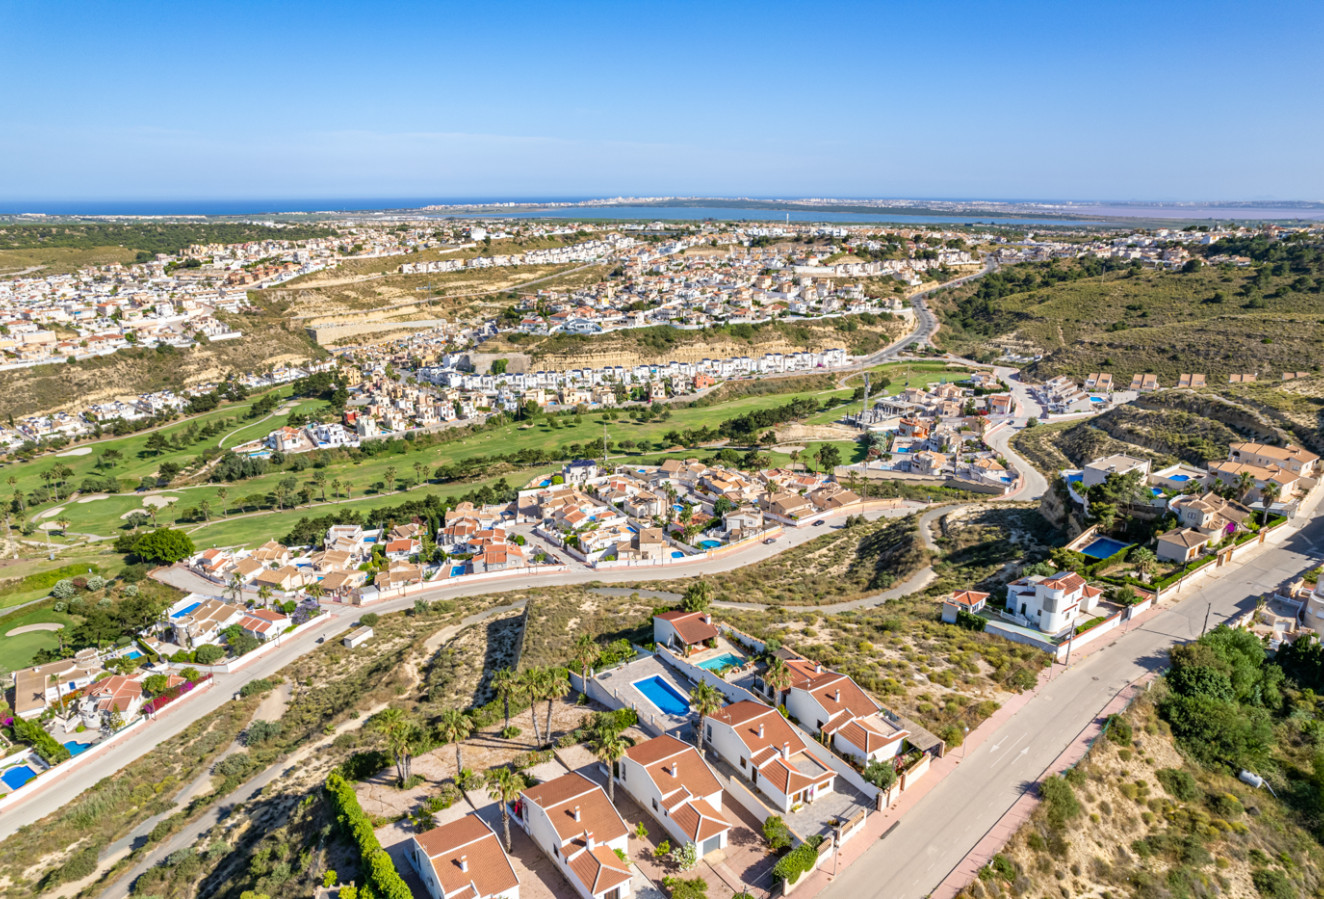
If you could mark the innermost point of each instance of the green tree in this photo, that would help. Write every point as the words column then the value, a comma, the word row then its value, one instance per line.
column 585, row 655
column 705, row 700
column 164, row 545
column 504, row 786
column 403, row 737
column 454, row 727
column 698, row 596
column 505, row 684
column 556, row 685
column 609, row 746
column 828, row 456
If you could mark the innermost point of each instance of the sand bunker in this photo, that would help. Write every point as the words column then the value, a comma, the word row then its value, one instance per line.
column 77, row 451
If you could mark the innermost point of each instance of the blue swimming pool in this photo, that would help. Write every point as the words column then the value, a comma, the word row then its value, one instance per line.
column 16, row 777
column 725, row 660
column 710, row 544
column 1103, row 547
column 1075, row 478
column 1096, row 399
column 184, row 611
column 133, row 654
column 76, row 748
column 677, row 554
column 667, row 698
column 1179, row 477
column 457, row 570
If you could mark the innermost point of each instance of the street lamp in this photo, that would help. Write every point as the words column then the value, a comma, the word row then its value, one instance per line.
column 966, row 730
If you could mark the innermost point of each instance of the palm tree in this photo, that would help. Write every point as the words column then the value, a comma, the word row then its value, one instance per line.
column 335, row 487
column 390, row 478
column 63, row 523
column 555, row 686
column 418, row 471
column 223, row 494
column 403, row 736
column 205, row 508
column 264, row 594
column 1268, row 495
column 316, row 591
column 504, row 785
column 778, row 678
column 47, row 476
column 1144, row 559
column 319, row 480
column 705, row 700
column 586, row 653
column 531, row 685
column 609, row 746
column 236, row 586
column 1245, row 484
column 455, row 727
column 504, row 682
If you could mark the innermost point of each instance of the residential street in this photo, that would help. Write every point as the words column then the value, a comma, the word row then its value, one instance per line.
column 933, row 837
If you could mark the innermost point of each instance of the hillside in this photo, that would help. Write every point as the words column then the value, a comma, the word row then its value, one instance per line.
column 1219, row 320
column 858, row 334
column 269, row 341
column 1190, row 426
column 1155, row 809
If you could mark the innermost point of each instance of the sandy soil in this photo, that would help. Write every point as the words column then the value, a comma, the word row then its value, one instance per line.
column 77, row 451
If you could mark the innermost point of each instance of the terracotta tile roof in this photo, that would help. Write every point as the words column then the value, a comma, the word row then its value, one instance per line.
column 691, row 626
column 468, row 843
column 598, row 869
column 699, row 820
column 674, row 766
column 967, row 597
column 561, row 797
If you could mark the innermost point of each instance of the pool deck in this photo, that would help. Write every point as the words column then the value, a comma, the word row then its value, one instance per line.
column 723, row 647
column 619, row 682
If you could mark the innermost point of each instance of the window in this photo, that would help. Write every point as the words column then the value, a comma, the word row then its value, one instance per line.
column 742, row 762
column 654, row 805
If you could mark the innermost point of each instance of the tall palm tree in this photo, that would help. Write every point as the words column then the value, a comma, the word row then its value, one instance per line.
column 705, row 700
column 609, row 746
column 319, row 480
column 403, row 736
column 316, row 591
column 504, row 785
column 1245, row 484
column 236, row 586
column 63, row 523
column 264, row 594
column 505, row 683
column 418, row 471
column 530, row 686
column 390, row 478
column 222, row 495
column 778, row 678
column 1269, row 494
column 586, row 653
column 205, row 508
column 555, row 686
column 455, row 727
column 335, row 487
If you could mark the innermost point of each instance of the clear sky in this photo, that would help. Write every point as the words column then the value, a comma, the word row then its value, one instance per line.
column 1163, row 99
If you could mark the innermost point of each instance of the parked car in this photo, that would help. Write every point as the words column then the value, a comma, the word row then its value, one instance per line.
column 819, row 523
column 770, row 541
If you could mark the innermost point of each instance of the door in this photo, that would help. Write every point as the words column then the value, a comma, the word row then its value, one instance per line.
column 712, row 844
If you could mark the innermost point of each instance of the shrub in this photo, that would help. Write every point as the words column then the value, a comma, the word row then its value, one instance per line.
column 261, row 731
column 370, row 619
column 881, row 774
column 208, row 654
column 1060, row 802
column 1225, row 805
column 96, row 582
column 1119, row 730
column 1179, row 784
column 379, row 873
column 63, row 589
column 1272, row 883
column 256, row 687
column 969, row 621
column 30, row 732
column 510, row 733
column 796, row 863
column 362, row 765
column 694, row 888
column 776, row 833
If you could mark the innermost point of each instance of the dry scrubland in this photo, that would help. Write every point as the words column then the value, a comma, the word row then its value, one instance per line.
column 1149, row 321
column 1154, row 825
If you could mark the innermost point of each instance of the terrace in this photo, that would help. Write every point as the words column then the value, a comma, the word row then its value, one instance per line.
column 723, row 658
column 656, row 692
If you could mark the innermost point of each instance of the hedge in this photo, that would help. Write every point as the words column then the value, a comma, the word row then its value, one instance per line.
column 51, row 751
column 799, row 861
column 380, row 879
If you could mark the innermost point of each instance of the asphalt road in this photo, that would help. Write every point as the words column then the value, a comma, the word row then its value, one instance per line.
column 934, row 836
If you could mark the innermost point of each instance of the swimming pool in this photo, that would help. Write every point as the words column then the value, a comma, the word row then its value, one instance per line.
column 710, row 544
column 16, row 777
column 725, row 660
column 184, row 611
column 133, row 654
column 76, row 748
column 667, row 699
column 677, row 554
column 1103, row 547
column 457, row 570
column 1179, row 477
column 1075, row 478
column 1096, row 399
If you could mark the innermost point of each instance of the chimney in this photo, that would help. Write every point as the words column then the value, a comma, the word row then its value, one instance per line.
column 786, row 750
column 836, row 695
column 464, row 863
column 588, row 840
column 707, row 619
column 818, row 667
column 760, row 729
column 575, row 813
column 675, row 769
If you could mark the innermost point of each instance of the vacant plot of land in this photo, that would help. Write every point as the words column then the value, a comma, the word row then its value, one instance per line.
column 1215, row 321
column 842, row 565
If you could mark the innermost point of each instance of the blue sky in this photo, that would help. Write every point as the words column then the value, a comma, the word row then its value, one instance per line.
column 1153, row 100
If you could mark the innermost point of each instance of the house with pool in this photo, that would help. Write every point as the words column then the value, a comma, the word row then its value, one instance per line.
column 684, row 631
column 671, row 781
column 762, row 746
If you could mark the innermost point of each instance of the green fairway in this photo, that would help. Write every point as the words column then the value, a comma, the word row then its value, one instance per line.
column 17, row 652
